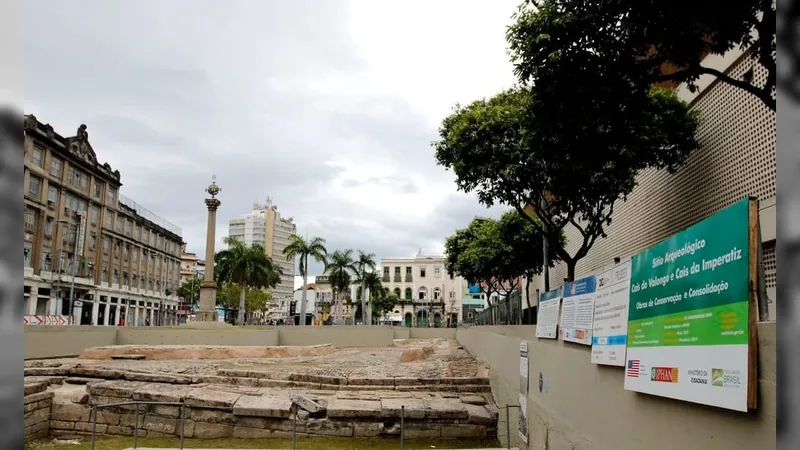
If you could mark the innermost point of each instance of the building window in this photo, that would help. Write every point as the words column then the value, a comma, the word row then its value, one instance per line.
column 422, row 272
column 30, row 220
column 47, row 259
column 409, row 294
column 34, row 187
column 106, row 244
column 77, row 179
column 120, row 224
column 48, row 227
column 125, row 252
column 397, row 292
column 94, row 214
column 28, row 254
column 452, row 294
column 92, row 240
column 37, row 156
column 117, row 245
column 116, row 277
column 109, row 220
column 125, row 279
column 55, row 167
column 436, row 271
column 436, row 293
column 52, row 195
column 111, row 196
column 98, row 189
column 104, row 273
column 129, row 228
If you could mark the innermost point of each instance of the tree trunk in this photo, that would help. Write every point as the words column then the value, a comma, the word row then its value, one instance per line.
column 242, row 293
column 571, row 269
column 364, row 301
column 303, row 296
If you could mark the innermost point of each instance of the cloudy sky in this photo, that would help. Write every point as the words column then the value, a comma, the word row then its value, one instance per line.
column 329, row 107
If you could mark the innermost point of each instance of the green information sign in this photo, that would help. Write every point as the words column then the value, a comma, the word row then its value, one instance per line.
column 688, row 313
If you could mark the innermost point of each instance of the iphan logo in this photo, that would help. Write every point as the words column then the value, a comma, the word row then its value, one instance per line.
column 717, row 377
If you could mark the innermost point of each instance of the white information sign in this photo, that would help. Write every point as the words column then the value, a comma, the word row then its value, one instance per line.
column 577, row 310
column 523, row 419
column 547, row 314
column 610, row 329
column 523, row 367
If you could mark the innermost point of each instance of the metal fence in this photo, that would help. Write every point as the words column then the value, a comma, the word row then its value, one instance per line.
column 504, row 311
column 149, row 215
column 295, row 409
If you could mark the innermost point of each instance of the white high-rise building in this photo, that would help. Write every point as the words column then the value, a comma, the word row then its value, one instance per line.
column 265, row 226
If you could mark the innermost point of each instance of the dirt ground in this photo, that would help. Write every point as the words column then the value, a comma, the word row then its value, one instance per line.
column 449, row 359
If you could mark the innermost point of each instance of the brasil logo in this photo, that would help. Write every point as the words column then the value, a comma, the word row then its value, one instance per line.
column 716, row 377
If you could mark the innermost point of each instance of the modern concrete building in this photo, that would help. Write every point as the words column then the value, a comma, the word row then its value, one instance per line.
column 430, row 296
column 265, row 226
column 737, row 159
column 84, row 240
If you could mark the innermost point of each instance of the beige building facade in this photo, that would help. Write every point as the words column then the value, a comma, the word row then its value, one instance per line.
column 84, row 240
column 430, row 296
column 265, row 226
column 737, row 159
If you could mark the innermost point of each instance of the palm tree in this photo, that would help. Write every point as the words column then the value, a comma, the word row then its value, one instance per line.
column 340, row 269
column 370, row 282
column 302, row 249
column 365, row 264
column 247, row 266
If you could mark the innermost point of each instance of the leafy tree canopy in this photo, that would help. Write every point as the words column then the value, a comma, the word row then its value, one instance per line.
column 189, row 291
column 519, row 148
column 475, row 253
column 228, row 296
column 644, row 41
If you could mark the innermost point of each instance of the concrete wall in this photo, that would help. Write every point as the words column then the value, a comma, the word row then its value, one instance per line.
column 187, row 336
column 432, row 333
column 339, row 336
column 60, row 341
column 584, row 406
column 402, row 333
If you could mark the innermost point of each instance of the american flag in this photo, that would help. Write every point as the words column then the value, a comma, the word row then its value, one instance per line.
column 633, row 368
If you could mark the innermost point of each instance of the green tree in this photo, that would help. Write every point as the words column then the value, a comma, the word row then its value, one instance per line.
column 340, row 270
column 189, row 291
column 474, row 253
column 246, row 266
column 301, row 249
column 369, row 282
column 365, row 264
column 644, row 41
column 525, row 244
column 385, row 302
column 577, row 158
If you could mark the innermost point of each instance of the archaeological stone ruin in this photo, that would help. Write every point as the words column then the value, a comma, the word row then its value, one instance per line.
column 263, row 392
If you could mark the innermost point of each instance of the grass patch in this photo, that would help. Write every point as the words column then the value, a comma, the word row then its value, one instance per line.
column 121, row 443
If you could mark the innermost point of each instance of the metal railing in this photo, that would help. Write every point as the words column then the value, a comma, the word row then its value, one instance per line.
column 149, row 215
column 295, row 408
column 506, row 311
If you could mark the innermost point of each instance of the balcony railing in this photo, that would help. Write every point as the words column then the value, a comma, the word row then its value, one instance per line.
column 397, row 278
column 409, row 278
column 385, row 278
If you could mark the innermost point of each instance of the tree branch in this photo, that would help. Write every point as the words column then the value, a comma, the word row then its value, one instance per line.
column 762, row 94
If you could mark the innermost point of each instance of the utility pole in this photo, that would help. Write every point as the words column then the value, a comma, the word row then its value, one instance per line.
column 74, row 271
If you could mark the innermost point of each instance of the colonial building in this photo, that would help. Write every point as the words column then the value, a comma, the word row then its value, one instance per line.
column 430, row 296
column 84, row 241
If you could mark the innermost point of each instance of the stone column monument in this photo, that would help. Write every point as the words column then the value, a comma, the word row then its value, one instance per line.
column 208, row 288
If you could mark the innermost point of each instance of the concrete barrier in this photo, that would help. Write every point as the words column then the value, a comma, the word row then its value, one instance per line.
column 584, row 406
column 189, row 336
column 402, row 332
column 432, row 333
column 339, row 336
column 42, row 341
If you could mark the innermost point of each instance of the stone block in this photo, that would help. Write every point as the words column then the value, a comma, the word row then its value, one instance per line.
column 45, row 371
column 160, row 424
column 473, row 400
column 211, row 399
column 80, row 398
column 100, row 400
column 116, row 388
column 87, row 427
column 251, row 422
column 307, row 404
column 445, row 408
column 62, row 425
column 252, row 433
column 34, row 388
column 37, row 416
column 212, row 416
column 157, row 378
column 354, row 409
column 129, row 420
column 167, row 411
column 188, row 428
column 38, row 397
column 270, row 383
column 94, row 372
column 368, row 429
column 107, row 417
column 120, row 431
column 264, row 406
column 414, row 408
column 155, row 434
column 303, row 414
column 422, row 430
column 233, row 373
column 159, row 392
column 461, row 430
column 50, row 380
column 205, row 430
column 81, row 380
column 323, row 427
column 406, row 381
column 70, row 412
column 36, row 431
column 479, row 415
